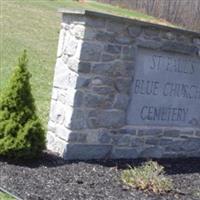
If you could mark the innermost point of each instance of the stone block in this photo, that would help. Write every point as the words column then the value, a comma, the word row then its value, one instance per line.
column 82, row 81
column 99, row 80
column 106, row 57
column 82, row 32
column 104, row 137
column 123, row 85
column 64, row 26
column 74, row 97
column 62, row 94
column 84, row 67
column 150, row 132
column 51, row 126
column 151, row 32
column 123, row 69
column 62, row 132
column 98, row 101
column 183, row 38
column 168, row 35
column 152, row 152
column 197, row 133
column 149, row 44
column 75, row 119
column 192, row 144
column 78, row 31
column 137, row 142
column 70, row 46
column 125, row 153
column 129, row 53
column 90, row 33
column 65, row 58
column 134, row 31
column 95, row 22
column 106, row 119
column 61, row 42
column 121, row 140
column 76, row 81
column 73, row 19
column 196, row 41
column 54, row 95
column 77, row 66
column 57, row 112
column 93, row 136
column 113, row 49
column 152, row 141
column 71, row 79
column 165, row 141
column 128, row 130
column 87, row 152
column 121, row 101
column 116, row 27
column 129, row 66
column 91, row 52
column 173, row 155
column 105, row 69
column 186, row 134
column 103, row 90
column 179, row 48
column 55, row 144
column 61, row 74
column 123, row 39
column 104, row 37
column 77, row 137
column 175, row 146
column 172, row 133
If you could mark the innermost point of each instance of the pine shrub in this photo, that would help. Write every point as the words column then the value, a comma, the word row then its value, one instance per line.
column 21, row 133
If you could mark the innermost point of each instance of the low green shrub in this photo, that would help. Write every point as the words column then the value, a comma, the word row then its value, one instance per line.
column 21, row 133
column 150, row 176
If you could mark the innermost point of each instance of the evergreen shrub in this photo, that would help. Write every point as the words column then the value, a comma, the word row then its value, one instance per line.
column 21, row 132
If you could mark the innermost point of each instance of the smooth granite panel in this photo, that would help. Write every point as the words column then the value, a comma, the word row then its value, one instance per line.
column 165, row 90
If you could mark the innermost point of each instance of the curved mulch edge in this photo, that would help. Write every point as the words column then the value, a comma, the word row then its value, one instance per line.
column 50, row 177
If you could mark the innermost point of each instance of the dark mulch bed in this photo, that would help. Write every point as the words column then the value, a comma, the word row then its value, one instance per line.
column 52, row 178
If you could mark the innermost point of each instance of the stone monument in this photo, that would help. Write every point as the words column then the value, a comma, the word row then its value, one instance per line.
column 124, row 89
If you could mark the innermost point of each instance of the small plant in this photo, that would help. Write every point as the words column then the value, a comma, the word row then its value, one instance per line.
column 21, row 133
column 196, row 193
column 150, row 176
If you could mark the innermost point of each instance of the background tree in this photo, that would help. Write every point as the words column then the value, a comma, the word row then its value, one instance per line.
column 182, row 12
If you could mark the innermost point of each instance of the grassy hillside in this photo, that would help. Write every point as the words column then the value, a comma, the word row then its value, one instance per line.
column 34, row 25
column 4, row 196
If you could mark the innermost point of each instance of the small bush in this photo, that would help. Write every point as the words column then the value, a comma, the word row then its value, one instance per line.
column 21, row 133
column 150, row 176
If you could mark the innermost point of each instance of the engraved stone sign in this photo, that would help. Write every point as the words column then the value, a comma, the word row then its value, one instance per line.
column 125, row 89
column 165, row 90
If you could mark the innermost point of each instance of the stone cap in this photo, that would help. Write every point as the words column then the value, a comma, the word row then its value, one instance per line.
column 126, row 19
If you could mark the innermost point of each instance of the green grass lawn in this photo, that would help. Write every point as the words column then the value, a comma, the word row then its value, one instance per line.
column 4, row 196
column 34, row 25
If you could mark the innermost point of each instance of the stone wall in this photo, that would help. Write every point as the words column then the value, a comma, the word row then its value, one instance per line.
column 92, row 89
